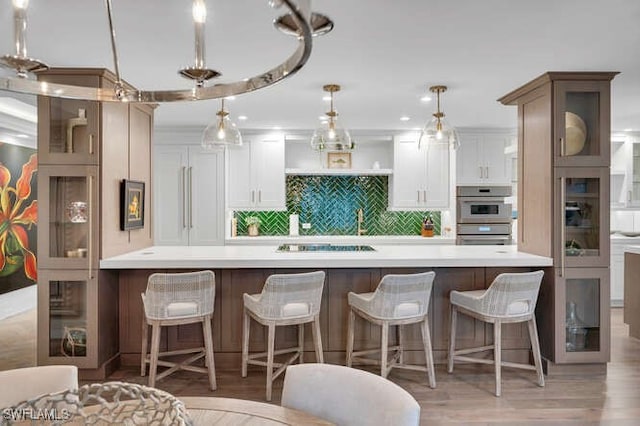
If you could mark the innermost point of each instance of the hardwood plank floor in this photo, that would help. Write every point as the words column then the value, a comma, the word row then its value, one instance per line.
column 464, row 397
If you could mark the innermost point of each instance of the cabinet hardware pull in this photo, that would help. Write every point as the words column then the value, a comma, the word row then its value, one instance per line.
column 629, row 196
column 259, row 196
column 190, row 197
column 253, row 196
column 418, row 196
column 90, row 143
column 480, row 168
column 90, row 224
column 562, row 147
column 424, row 195
column 184, row 197
column 563, row 223
column 486, row 172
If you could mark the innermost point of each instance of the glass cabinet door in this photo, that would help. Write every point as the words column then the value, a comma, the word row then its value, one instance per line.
column 67, row 333
column 582, row 219
column 582, row 126
column 69, row 206
column 68, row 131
column 583, row 303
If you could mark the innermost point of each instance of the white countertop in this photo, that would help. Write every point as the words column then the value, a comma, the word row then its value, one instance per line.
column 340, row 239
column 266, row 256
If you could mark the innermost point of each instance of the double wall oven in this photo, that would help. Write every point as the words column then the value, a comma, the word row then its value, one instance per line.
column 483, row 217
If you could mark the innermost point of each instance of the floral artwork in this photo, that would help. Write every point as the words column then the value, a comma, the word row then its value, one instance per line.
column 18, row 217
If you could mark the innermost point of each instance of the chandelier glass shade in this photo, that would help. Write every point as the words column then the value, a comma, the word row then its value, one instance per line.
column 298, row 16
column 437, row 132
column 221, row 133
column 330, row 136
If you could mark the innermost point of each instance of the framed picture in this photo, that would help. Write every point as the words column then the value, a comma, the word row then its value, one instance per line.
column 339, row 160
column 131, row 205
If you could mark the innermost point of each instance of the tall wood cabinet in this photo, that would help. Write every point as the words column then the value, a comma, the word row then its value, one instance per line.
column 85, row 149
column 563, row 187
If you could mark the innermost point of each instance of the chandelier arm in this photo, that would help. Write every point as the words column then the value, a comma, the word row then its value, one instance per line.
column 114, row 50
column 287, row 68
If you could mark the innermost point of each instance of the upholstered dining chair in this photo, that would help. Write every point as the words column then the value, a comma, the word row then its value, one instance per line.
column 175, row 299
column 348, row 396
column 399, row 300
column 511, row 298
column 22, row 384
column 286, row 299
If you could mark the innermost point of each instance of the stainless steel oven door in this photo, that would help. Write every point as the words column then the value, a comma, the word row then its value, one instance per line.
column 484, row 240
column 483, row 210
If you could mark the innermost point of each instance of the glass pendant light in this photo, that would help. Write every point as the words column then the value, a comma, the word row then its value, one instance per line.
column 437, row 131
column 221, row 133
column 329, row 136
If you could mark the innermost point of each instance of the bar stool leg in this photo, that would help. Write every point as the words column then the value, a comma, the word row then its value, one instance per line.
column 246, row 326
column 535, row 348
column 270, row 349
column 384, row 349
column 350, row 337
column 317, row 340
column 428, row 353
column 452, row 337
column 497, row 355
column 208, row 345
column 155, row 349
column 143, row 353
column 400, row 344
column 301, row 343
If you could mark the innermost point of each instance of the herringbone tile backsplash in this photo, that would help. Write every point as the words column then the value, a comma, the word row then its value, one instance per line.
column 330, row 203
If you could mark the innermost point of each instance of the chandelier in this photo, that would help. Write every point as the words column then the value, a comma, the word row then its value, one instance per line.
column 222, row 132
column 437, row 131
column 331, row 137
column 299, row 21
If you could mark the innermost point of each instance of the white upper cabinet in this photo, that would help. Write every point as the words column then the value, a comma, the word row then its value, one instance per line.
column 625, row 170
column 188, row 195
column 481, row 158
column 420, row 177
column 255, row 173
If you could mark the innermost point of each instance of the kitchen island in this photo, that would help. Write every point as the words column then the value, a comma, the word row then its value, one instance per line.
column 632, row 289
column 243, row 269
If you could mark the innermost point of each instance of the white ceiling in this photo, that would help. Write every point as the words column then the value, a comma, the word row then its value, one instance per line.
column 384, row 54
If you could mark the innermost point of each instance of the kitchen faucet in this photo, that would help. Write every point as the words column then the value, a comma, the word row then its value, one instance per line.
column 360, row 221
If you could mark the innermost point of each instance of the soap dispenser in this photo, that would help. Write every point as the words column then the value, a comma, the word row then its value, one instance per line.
column 427, row 227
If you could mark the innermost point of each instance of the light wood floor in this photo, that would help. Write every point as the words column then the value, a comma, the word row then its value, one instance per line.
column 464, row 397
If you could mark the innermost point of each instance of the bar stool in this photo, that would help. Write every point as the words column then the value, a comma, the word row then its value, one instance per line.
column 398, row 300
column 511, row 298
column 286, row 299
column 176, row 299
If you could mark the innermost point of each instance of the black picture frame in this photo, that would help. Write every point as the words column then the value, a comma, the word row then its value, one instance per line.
column 131, row 205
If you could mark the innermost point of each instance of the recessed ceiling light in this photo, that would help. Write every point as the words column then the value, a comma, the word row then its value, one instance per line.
column 22, row 136
column 230, row 98
column 277, row 128
column 242, row 117
column 628, row 129
column 326, row 98
column 425, row 98
column 322, row 117
column 405, row 118
column 416, row 129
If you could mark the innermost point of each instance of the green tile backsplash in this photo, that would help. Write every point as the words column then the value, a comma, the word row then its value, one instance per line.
column 330, row 203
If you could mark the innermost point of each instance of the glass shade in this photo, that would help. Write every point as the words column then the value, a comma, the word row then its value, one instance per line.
column 439, row 132
column 220, row 134
column 330, row 137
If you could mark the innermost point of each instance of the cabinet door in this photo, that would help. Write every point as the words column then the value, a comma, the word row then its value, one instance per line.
column 470, row 166
column 497, row 165
column 68, row 131
column 437, row 192
column 240, row 193
column 582, row 217
column 170, row 195
column 582, row 123
column 67, row 318
column 69, row 199
column 582, row 299
column 409, row 174
column 205, row 187
column 267, row 172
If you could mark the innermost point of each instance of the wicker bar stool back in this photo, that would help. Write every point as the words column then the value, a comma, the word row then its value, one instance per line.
column 286, row 299
column 511, row 298
column 398, row 300
column 175, row 299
